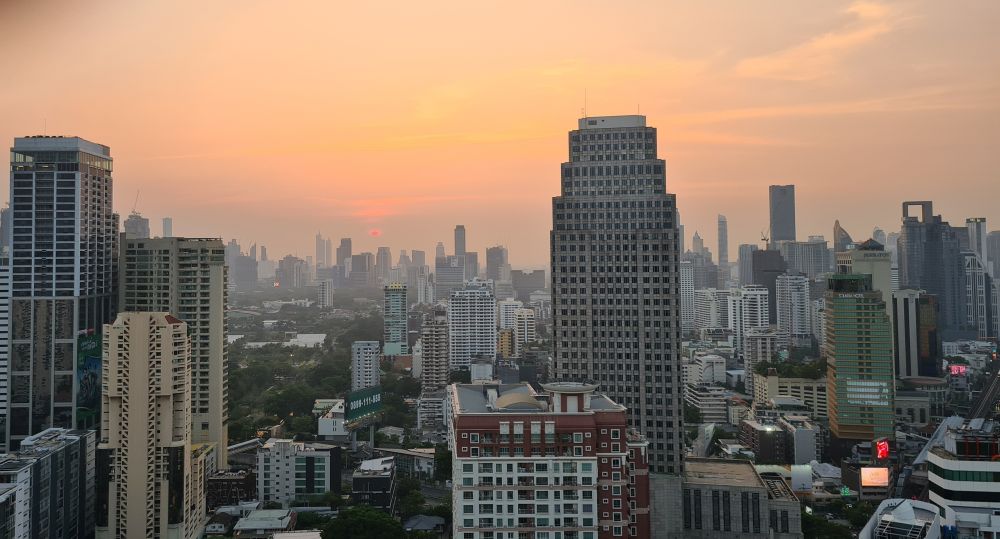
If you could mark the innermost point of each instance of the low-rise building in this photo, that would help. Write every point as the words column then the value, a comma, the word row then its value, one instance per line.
column 263, row 524
column 709, row 400
column 374, row 484
column 415, row 462
column 903, row 518
column 330, row 425
column 226, row 487
column 811, row 392
column 288, row 470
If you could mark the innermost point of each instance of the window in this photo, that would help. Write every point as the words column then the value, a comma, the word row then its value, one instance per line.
column 577, row 437
column 615, row 434
column 474, row 438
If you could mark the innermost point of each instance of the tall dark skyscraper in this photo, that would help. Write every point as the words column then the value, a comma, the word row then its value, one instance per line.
column 63, row 275
column 343, row 251
column 766, row 266
column 929, row 254
column 782, row 213
column 459, row 240
column 496, row 263
column 723, row 251
column 615, row 277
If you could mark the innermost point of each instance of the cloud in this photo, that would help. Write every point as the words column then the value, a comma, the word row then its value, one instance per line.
column 820, row 56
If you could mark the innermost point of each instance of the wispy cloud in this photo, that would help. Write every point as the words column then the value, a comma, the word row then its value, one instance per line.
column 820, row 56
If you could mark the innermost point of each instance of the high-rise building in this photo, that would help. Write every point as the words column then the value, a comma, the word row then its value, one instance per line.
column 962, row 477
column 748, row 309
column 505, row 312
column 147, row 486
column 794, row 319
column 344, row 251
column 471, row 265
column 449, row 275
column 459, row 240
column 687, row 295
column 977, row 236
column 842, row 241
column 321, row 254
column 810, row 258
column 782, row 198
column 61, row 191
column 419, row 258
column 526, row 282
column 759, row 344
column 472, row 323
column 324, row 294
column 915, row 337
column 698, row 245
column 4, row 348
column 869, row 258
column 497, row 264
column 980, row 297
column 723, row 251
column 767, row 266
column 858, row 352
column 711, row 309
column 5, row 229
column 434, row 368
column 136, row 226
column 291, row 272
column 51, row 479
column 362, row 272
column 524, row 330
column 186, row 277
column 394, row 320
column 168, row 227
column 383, row 265
column 746, row 263
column 364, row 364
column 439, row 250
column 879, row 235
column 929, row 253
column 621, row 219
column 993, row 251
column 568, row 435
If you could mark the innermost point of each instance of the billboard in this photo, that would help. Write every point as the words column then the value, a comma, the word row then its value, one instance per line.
column 882, row 449
column 88, row 378
column 958, row 370
column 363, row 403
column 874, row 477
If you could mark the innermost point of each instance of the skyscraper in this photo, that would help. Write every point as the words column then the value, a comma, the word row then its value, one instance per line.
column 723, row 251
column 687, row 295
column 915, row 337
column 993, row 251
column 63, row 274
column 782, row 198
column 150, row 488
column 810, row 258
column 394, row 321
column 168, row 227
column 615, row 247
column 439, row 250
column 472, row 323
column 419, row 258
column 929, row 255
column 321, row 244
column 858, row 352
column 187, row 278
column 748, row 309
column 767, row 266
column 136, row 226
column 496, row 261
column 459, row 239
column 977, row 236
column 449, row 275
column 524, row 330
column 344, row 251
column 383, row 265
column 746, row 263
column 869, row 258
column 842, row 241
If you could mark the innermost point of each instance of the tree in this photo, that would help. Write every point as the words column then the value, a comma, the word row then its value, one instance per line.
column 814, row 527
column 692, row 415
column 362, row 522
column 412, row 503
column 442, row 463
column 859, row 513
column 308, row 520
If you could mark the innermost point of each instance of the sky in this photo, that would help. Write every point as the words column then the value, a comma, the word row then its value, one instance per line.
column 390, row 122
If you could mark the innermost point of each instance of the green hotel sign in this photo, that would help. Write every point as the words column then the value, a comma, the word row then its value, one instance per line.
column 363, row 403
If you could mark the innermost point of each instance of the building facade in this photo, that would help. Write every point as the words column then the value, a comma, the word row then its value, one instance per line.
column 915, row 340
column 288, row 470
column 748, row 309
column 782, row 203
column 395, row 313
column 793, row 303
column 563, row 461
column 472, row 323
column 364, row 364
column 187, row 277
column 147, row 483
column 614, row 247
column 64, row 245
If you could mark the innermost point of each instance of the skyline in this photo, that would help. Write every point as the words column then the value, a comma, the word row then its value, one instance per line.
column 249, row 109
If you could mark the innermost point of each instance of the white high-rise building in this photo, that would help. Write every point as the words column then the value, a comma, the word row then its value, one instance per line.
column 711, row 309
column 288, row 470
column 759, row 344
column 794, row 320
column 818, row 312
column 136, row 226
column 146, row 430
column 325, row 295
column 364, row 364
column 472, row 323
column 747, row 310
column 434, row 366
column 687, row 296
column 524, row 330
column 506, row 309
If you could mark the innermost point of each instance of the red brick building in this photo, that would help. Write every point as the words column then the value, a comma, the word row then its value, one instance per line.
column 529, row 465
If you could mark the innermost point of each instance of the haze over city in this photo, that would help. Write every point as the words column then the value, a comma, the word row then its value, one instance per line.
column 264, row 124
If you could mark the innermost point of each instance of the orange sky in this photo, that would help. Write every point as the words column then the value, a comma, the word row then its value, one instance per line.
column 269, row 121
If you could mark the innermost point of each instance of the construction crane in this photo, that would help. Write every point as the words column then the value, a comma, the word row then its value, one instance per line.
column 136, row 203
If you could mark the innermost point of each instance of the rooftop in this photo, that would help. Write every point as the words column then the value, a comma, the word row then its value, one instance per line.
column 521, row 398
column 60, row 143
column 612, row 122
column 273, row 519
column 721, row 472
column 382, row 466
